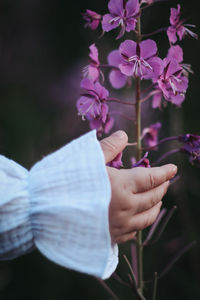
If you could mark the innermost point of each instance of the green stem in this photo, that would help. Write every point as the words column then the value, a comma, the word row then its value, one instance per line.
column 139, row 152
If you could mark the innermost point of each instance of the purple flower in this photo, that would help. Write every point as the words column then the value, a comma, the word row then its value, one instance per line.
column 177, row 27
column 172, row 83
column 150, row 134
column 92, row 19
column 100, row 126
column 92, row 71
column 192, row 152
column 116, row 162
column 92, row 104
column 117, row 79
column 143, row 162
column 176, row 52
column 140, row 60
column 192, row 140
column 191, row 146
column 122, row 14
column 157, row 98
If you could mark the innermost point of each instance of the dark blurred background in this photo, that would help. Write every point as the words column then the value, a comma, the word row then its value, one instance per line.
column 43, row 48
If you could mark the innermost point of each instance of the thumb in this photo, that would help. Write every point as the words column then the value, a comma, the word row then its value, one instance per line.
column 113, row 145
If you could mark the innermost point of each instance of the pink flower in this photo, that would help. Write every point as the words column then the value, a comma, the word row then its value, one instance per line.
column 150, row 134
column 177, row 27
column 92, row 71
column 117, row 79
column 192, row 140
column 92, row 19
column 116, row 162
column 100, row 126
column 92, row 104
column 143, row 162
column 172, row 83
column 157, row 98
column 122, row 14
column 191, row 147
column 176, row 52
column 140, row 60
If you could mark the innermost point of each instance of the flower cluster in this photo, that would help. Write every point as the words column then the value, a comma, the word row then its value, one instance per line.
column 191, row 146
column 132, row 60
column 178, row 29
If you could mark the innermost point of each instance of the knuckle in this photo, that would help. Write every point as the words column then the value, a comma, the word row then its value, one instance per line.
column 109, row 145
column 151, row 180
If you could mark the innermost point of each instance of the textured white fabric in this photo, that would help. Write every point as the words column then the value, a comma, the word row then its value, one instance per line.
column 61, row 207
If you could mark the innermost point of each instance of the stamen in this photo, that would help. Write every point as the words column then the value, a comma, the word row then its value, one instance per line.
column 145, row 63
column 132, row 58
column 114, row 20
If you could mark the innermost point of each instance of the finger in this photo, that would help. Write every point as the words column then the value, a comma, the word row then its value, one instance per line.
column 146, row 179
column 145, row 219
column 146, row 200
column 113, row 145
column 124, row 238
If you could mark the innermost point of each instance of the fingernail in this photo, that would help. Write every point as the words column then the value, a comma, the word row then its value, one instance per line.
column 174, row 170
column 120, row 134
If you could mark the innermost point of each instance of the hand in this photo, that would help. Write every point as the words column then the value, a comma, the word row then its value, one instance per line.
column 136, row 193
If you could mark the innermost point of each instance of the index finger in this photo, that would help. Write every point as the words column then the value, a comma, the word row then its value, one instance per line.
column 145, row 179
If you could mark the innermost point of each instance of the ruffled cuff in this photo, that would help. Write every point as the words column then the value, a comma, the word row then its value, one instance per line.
column 67, row 200
column 16, row 236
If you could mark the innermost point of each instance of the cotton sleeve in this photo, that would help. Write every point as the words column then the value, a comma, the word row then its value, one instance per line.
column 60, row 207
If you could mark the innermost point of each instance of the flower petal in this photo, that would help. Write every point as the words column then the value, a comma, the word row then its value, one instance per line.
column 132, row 7
column 176, row 99
column 148, row 48
column 93, row 73
column 175, row 15
column 108, row 124
column 130, row 24
column 172, row 67
column 181, row 32
column 107, row 25
column 127, row 69
column 156, row 64
column 128, row 48
column 117, row 79
column 83, row 104
column 115, row 7
column 94, row 54
column 114, row 58
column 87, row 84
column 157, row 100
column 176, row 53
column 104, row 112
column 101, row 91
column 171, row 33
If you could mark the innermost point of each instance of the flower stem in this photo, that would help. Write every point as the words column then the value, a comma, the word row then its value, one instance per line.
column 119, row 101
column 155, row 32
column 167, row 139
column 139, row 152
column 166, row 155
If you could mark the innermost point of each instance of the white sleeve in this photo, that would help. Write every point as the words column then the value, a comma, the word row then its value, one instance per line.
column 61, row 207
